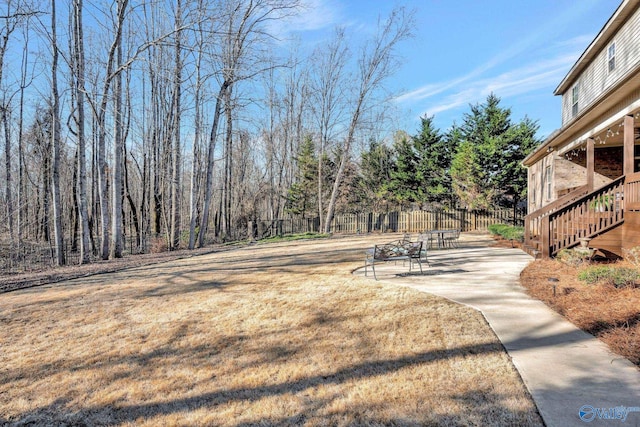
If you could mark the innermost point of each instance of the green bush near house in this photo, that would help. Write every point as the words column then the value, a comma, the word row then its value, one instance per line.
column 571, row 257
column 508, row 232
column 620, row 277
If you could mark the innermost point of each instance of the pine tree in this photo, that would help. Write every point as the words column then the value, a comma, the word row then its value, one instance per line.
column 518, row 142
column 486, row 168
column 434, row 153
column 301, row 197
column 405, row 184
column 375, row 169
column 469, row 180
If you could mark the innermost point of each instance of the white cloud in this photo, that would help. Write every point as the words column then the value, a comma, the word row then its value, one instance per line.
column 530, row 77
column 525, row 79
column 316, row 15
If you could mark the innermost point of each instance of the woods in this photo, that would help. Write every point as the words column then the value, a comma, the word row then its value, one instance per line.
column 151, row 126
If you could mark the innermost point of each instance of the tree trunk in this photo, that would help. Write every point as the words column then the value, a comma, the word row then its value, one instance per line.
column 176, row 155
column 228, row 167
column 56, row 143
column 210, row 164
column 195, row 183
column 9, row 181
column 78, row 53
column 118, row 150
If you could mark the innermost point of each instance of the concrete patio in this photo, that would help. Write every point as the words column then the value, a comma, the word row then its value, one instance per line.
column 571, row 375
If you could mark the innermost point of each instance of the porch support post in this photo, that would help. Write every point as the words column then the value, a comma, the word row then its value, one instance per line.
column 628, row 146
column 591, row 169
column 545, row 236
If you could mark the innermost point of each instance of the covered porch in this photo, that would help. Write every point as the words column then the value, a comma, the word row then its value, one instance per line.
column 605, row 209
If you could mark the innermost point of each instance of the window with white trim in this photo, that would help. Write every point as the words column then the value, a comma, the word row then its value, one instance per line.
column 574, row 101
column 611, row 57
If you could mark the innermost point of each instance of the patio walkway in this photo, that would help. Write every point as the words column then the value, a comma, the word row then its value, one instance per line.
column 570, row 374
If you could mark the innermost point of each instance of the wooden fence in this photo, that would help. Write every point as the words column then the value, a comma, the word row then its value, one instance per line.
column 409, row 222
column 36, row 256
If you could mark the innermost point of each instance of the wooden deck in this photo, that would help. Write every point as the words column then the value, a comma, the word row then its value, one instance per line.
column 609, row 216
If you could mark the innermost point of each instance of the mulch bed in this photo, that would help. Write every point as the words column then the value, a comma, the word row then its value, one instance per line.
column 609, row 313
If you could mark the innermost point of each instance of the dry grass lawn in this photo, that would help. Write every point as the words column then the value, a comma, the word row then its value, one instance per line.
column 278, row 334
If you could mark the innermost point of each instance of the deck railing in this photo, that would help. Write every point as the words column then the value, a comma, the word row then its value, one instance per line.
column 632, row 192
column 587, row 217
column 533, row 221
column 581, row 214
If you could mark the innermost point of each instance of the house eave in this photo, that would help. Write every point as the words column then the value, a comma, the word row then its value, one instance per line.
column 611, row 27
column 575, row 127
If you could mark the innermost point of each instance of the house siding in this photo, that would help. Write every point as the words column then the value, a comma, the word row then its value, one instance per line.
column 537, row 191
column 596, row 78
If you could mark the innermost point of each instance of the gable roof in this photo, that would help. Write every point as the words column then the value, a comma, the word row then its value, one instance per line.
column 619, row 17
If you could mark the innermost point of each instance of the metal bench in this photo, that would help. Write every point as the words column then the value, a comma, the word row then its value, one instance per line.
column 396, row 251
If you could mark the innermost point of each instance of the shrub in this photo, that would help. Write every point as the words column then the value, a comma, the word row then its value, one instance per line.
column 508, row 232
column 514, row 233
column 619, row 277
column 595, row 274
column 497, row 229
column 571, row 257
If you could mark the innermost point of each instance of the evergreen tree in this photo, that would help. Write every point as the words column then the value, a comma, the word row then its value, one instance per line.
column 434, row 154
column 301, row 195
column 485, row 128
column 495, row 147
column 519, row 141
column 469, row 180
column 405, row 184
column 375, row 169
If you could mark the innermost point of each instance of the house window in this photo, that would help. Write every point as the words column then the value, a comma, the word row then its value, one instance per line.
column 574, row 100
column 547, row 180
column 533, row 189
column 612, row 57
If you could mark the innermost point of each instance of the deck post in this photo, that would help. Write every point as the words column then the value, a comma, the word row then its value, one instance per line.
column 590, row 164
column 545, row 237
column 628, row 146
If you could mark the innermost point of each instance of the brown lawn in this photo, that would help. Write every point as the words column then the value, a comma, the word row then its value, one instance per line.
column 278, row 334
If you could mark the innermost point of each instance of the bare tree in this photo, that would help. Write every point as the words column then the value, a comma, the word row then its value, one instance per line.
column 118, row 139
column 376, row 63
column 15, row 13
column 21, row 181
column 238, row 60
column 100, row 113
column 329, row 84
column 56, row 143
column 176, row 157
column 197, row 123
column 78, row 70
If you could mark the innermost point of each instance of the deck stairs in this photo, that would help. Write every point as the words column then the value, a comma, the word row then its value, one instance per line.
column 578, row 216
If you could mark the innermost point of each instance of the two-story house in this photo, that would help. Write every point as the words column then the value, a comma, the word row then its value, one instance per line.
column 584, row 184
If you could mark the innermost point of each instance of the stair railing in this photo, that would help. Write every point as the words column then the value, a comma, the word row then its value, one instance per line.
column 632, row 192
column 533, row 221
column 586, row 217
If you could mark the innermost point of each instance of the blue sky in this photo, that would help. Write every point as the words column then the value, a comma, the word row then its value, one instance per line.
column 463, row 50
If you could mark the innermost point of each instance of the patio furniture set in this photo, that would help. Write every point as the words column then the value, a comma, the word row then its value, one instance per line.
column 407, row 250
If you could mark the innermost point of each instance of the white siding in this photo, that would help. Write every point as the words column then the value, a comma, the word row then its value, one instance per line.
column 596, row 78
